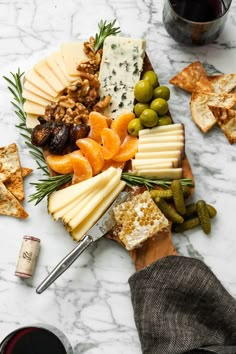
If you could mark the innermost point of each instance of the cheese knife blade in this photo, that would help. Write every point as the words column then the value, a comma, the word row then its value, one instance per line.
column 102, row 226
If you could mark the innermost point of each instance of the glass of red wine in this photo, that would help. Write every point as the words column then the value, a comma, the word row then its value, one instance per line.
column 195, row 22
column 40, row 339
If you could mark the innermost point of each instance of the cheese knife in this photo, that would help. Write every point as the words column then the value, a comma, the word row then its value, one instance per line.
column 102, row 226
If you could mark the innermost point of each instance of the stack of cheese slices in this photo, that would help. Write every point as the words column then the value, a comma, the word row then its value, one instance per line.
column 49, row 77
column 79, row 206
column 160, row 152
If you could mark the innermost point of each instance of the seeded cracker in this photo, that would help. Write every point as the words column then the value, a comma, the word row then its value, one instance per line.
column 9, row 205
column 226, row 119
column 201, row 113
column 189, row 76
column 10, row 164
column 140, row 219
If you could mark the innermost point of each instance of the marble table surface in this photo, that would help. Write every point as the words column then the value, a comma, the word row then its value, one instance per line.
column 91, row 302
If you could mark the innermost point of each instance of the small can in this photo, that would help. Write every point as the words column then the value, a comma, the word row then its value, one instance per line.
column 27, row 257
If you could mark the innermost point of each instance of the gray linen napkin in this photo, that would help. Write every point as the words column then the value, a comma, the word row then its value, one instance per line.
column 181, row 307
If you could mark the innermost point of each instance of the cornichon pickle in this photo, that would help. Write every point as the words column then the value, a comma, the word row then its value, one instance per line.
column 167, row 193
column 186, row 225
column 168, row 211
column 191, row 210
column 178, row 196
column 203, row 215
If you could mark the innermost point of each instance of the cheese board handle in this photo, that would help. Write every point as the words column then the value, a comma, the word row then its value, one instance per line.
column 65, row 263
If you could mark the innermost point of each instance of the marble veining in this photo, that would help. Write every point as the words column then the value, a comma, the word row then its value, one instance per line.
column 91, row 302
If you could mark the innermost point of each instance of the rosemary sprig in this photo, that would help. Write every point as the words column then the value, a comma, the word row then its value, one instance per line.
column 132, row 179
column 105, row 30
column 46, row 186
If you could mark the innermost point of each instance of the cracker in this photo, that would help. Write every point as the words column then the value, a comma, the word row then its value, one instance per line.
column 9, row 205
column 226, row 119
column 201, row 113
column 223, row 83
column 203, row 85
column 25, row 171
column 10, row 164
column 189, row 76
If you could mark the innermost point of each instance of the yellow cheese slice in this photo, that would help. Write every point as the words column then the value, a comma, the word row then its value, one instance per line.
column 162, row 129
column 161, row 147
column 48, row 75
column 73, row 54
column 81, row 207
column 53, row 65
column 160, row 139
column 33, row 108
column 40, row 82
column 57, row 56
column 142, row 163
column 98, row 211
column 153, row 166
column 31, row 120
column 65, row 196
column 98, row 198
column 162, row 134
column 158, row 155
column 170, row 173
column 34, row 89
column 35, row 98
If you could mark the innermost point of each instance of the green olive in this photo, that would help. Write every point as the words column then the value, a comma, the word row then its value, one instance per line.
column 165, row 120
column 139, row 108
column 162, row 92
column 160, row 106
column 149, row 118
column 151, row 76
column 143, row 91
column 135, row 126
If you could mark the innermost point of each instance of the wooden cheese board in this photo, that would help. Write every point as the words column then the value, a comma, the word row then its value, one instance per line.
column 161, row 244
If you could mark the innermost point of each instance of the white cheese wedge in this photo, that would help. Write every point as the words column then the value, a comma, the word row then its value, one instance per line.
column 161, row 147
column 65, row 196
column 35, row 90
column 120, row 70
column 170, row 173
column 161, row 139
column 98, row 198
column 31, row 120
column 153, row 166
column 35, row 98
column 73, row 55
column 53, row 65
column 97, row 212
column 37, row 80
column 48, row 75
column 162, row 134
column 161, row 129
column 81, row 208
column 34, row 108
column 142, row 163
column 57, row 56
column 158, row 155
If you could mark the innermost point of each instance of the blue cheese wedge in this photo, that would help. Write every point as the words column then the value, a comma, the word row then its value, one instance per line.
column 120, row 70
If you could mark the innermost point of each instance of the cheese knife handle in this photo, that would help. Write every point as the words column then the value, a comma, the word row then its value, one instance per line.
column 65, row 263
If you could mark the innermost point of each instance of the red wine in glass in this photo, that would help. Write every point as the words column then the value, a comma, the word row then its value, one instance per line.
column 195, row 21
column 35, row 340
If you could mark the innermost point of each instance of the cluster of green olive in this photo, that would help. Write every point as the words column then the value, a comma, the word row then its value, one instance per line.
column 151, row 107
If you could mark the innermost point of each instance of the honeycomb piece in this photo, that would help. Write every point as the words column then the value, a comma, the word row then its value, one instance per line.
column 140, row 219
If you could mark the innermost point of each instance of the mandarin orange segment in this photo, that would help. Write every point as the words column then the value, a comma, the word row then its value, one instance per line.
column 60, row 163
column 110, row 142
column 97, row 123
column 93, row 152
column 81, row 166
column 120, row 124
column 128, row 149
column 112, row 163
